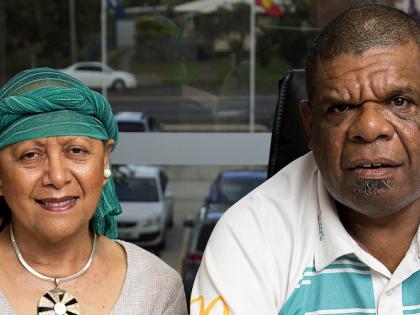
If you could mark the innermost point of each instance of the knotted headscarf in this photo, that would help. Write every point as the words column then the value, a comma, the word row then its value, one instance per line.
column 43, row 102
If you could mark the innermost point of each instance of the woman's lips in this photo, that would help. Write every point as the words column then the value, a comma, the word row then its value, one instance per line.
column 57, row 204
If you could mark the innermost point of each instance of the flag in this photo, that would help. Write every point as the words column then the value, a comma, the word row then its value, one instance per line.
column 117, row 7
column 270, row 7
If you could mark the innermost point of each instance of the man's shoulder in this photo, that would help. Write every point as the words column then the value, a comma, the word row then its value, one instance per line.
column 269, row 234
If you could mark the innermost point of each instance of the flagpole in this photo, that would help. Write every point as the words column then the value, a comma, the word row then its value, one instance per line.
column 103, row 45
column 252, row 69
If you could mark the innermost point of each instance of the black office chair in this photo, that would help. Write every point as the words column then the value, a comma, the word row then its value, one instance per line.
column 288, row 140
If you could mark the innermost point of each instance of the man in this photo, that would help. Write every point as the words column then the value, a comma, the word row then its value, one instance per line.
column 336, row 231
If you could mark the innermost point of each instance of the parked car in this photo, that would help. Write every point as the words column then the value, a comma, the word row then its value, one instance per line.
column 232, row 185
column 228, row 187
column 199, row 235
column 136, row 122
column 147, row 202
column 92, row 73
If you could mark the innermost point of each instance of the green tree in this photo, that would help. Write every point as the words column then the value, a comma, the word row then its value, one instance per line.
column 38, row 31
column 150, row 27
column 288, row 37
column 230, row 24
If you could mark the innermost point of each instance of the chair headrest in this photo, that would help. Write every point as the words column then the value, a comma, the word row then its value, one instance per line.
column 288, row 140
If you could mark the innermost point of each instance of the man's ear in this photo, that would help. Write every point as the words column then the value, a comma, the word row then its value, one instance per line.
column 306, row 115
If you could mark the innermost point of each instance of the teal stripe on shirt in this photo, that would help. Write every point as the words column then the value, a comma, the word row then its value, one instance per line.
column 332, row 291
column 411, row 293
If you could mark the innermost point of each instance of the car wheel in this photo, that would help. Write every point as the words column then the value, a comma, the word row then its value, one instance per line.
column 118, row 85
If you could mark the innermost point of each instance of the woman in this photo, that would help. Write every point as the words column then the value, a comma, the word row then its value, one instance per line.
column 58, row 205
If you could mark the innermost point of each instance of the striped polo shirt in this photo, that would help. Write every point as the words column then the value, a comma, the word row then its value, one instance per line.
column 283, row 250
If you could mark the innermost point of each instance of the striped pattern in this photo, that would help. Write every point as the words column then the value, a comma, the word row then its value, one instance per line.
column 344, row 287
column 411, row 295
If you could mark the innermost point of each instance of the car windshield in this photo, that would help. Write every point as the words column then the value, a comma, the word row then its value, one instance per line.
column 137, row 189
column 108, row 68
column 232, row 189
column 131, row 127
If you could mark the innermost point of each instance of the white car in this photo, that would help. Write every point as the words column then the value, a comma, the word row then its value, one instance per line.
column 136, row 122
column 147, row 202
column 92, row 73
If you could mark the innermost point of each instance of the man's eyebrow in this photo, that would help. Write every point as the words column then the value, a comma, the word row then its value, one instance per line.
column 400, row 91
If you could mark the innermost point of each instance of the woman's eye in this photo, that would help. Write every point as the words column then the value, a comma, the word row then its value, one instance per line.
column 77, row 151
column 29, row 156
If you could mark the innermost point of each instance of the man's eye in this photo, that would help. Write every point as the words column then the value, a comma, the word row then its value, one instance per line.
column 398, row 102
column 340, row 108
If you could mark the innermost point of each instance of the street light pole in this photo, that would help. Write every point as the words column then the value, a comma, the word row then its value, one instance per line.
column 103, row 45
column 3, row 34
column 72, row 15
column 252, row 69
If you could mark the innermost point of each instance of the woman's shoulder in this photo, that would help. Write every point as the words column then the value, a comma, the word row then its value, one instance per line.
column 143, row 264
column 150, row 284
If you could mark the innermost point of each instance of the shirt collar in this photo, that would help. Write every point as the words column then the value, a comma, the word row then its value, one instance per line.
column 333, row 240
column 418, row 243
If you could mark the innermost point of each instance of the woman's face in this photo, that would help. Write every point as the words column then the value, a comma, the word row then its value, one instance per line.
column 53, row 185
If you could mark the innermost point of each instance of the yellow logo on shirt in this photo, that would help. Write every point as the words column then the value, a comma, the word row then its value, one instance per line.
column 213, row 303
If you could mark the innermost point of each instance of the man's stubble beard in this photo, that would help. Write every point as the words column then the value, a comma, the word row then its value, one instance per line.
column 370, row 187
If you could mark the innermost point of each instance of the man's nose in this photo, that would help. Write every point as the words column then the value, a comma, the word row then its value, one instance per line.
column 57, row 173
column 370, row 125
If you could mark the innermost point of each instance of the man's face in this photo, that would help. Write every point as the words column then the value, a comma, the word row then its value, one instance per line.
column 364, row 123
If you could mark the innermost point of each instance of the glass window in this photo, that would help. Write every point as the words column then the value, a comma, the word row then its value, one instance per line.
column 131, row 126
column 188, row 65
column 89, row 68
column 231, row 190
column 137, row 189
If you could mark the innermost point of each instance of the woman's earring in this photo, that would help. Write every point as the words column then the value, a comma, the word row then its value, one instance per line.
column 310, row 145
column 107, row 173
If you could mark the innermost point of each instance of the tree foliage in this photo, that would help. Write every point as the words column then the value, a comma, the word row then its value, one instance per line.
column 288, row 37
column 150, row 27
column 230, row 24
column 37, row 32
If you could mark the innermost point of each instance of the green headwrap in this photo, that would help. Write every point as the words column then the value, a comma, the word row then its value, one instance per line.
column 43, row 102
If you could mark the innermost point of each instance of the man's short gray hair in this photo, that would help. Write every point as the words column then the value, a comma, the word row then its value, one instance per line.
column 357, row 30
